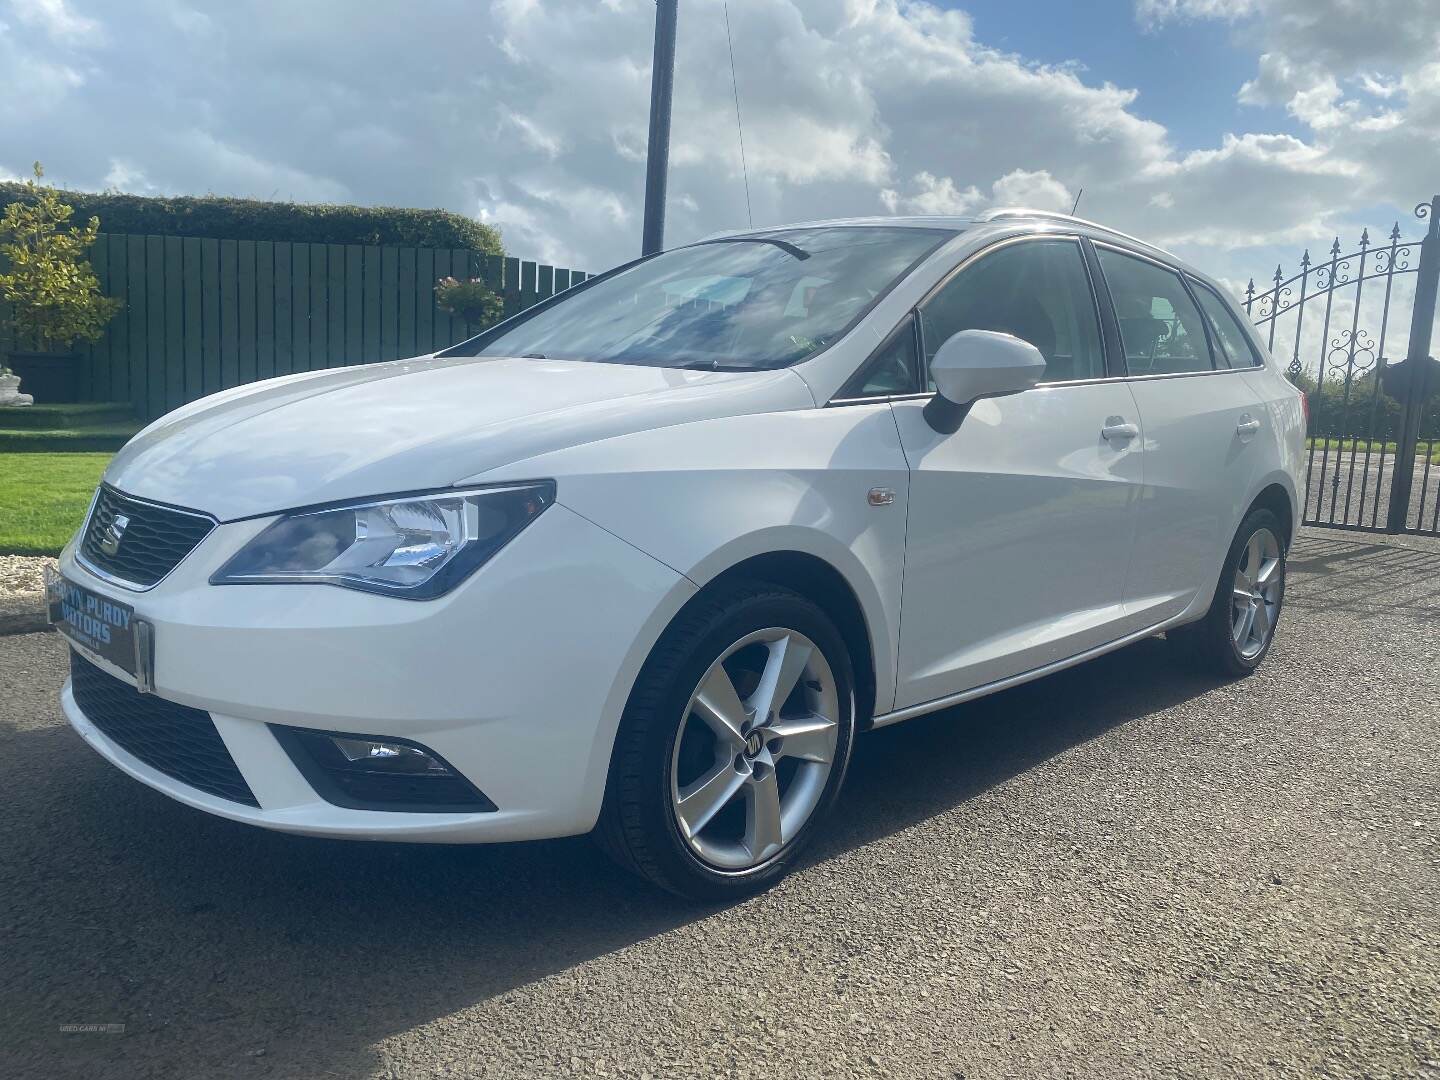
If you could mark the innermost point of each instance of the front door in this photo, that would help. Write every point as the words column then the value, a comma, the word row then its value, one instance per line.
column 1021, row 522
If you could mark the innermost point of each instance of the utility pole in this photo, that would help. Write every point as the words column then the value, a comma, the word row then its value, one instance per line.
column 657, row 163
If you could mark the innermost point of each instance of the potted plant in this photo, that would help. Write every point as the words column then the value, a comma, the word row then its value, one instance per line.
column 50, row 289
column 472, row 300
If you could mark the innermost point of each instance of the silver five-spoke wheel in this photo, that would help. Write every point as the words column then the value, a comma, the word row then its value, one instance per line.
column 1257, row 592
column 754, row 749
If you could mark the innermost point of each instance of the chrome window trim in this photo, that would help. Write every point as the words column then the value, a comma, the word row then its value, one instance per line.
column 123, row 583
column 877, row 399
column 1188, row 374
column 1123, row 250
column 1058, row 385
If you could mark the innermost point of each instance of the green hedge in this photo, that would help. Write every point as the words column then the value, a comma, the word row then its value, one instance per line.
column 251, row 219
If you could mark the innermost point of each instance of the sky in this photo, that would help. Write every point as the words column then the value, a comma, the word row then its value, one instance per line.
column 1235, row 132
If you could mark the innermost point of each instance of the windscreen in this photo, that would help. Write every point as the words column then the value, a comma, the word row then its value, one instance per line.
column 742, row 303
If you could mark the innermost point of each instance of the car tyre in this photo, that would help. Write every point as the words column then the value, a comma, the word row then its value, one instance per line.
column 679, row 740
column 1237, row 631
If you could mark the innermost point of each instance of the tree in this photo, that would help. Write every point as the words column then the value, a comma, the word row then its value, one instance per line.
column 54, row 296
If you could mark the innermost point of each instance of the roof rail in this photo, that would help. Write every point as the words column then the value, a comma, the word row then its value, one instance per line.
column 1055, row 215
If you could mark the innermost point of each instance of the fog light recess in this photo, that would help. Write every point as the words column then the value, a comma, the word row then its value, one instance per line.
column 379, row 772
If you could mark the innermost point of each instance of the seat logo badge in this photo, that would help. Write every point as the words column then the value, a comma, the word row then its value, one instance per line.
column 754, row 743
column 881, row 496
column 113, row 534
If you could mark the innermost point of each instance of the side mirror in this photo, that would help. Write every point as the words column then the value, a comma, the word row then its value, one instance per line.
column 975, row 364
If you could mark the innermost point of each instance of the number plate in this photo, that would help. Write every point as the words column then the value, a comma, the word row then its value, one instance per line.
column 96, row 623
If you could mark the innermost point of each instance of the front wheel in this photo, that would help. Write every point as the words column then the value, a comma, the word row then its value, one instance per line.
column 1237, row 631
column 733, row 745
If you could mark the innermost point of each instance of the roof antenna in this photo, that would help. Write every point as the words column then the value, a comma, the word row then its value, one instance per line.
column 744, row 168
column 1077, row 202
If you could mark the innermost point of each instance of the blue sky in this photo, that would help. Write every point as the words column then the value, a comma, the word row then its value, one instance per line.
column 1186, row 72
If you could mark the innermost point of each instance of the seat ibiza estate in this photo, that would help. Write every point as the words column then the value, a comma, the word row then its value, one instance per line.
column 645, row 558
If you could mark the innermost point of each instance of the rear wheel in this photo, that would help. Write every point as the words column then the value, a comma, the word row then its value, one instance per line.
column 1237, row 631
column 733, row 745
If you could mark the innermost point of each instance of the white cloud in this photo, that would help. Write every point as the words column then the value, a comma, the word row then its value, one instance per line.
column 1037, row 190
column 55, row 18
column 534, row 116
column 1154, row 13
column 933, row 195
column 123, row 176
column 532, row 134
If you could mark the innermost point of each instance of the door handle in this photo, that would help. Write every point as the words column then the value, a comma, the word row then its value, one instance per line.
column 1248, row 425
column 1117, row 427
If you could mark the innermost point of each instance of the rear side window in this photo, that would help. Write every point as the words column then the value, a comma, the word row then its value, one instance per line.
column 1160, row 326
column 1037, row 290
column 1231, row 343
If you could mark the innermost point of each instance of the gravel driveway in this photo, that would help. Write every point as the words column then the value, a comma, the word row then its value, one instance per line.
column 1122, row 870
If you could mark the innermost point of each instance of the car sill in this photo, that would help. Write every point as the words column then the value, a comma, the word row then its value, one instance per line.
column 912, row 711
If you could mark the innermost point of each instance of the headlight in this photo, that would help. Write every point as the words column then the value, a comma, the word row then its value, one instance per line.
column 414, row 546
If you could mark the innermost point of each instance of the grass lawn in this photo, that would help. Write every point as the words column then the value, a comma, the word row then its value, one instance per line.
column 42, row 499
column 1375, row 446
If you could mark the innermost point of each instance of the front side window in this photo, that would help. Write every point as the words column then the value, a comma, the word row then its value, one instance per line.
column 1160, row 326
column 892, row 369
column 739, row 304
column 1038, row 291
column 1230, row 340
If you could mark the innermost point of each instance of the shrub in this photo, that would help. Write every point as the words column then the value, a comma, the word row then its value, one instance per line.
column 50, row 286
column 472, row 300
column 251, row 219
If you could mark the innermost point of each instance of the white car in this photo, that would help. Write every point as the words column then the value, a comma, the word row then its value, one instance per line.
column 646, row 557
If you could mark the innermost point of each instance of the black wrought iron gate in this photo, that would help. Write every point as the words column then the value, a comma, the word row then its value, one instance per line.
column 1373, row 459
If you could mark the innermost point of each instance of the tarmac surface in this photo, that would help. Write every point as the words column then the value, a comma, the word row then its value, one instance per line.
column 1126, row 869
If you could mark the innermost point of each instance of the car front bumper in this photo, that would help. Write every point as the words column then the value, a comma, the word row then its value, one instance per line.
column 516, row 678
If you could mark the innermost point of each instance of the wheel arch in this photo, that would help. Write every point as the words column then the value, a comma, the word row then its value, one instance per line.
column 824, row 585
column 1280, row 501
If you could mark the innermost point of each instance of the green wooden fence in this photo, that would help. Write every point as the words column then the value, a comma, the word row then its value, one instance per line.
column 203, row 315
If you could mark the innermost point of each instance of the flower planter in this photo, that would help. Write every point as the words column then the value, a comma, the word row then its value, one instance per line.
column 50, row 378
column 10, row 395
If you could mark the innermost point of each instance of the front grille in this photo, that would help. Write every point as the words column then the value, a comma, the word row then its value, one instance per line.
column 152, row 542
column 179, row 741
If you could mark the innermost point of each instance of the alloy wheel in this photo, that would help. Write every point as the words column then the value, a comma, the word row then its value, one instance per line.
column 1257, row 592
column 754, row 749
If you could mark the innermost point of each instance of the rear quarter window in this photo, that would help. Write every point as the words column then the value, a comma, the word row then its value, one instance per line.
column 1232, row 345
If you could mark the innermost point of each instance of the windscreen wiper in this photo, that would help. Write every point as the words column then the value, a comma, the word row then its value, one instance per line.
column 789, row 249
column 709, row 365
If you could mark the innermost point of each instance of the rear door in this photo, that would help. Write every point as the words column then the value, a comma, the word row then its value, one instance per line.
column 1020, row 522
column 1203, row 426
